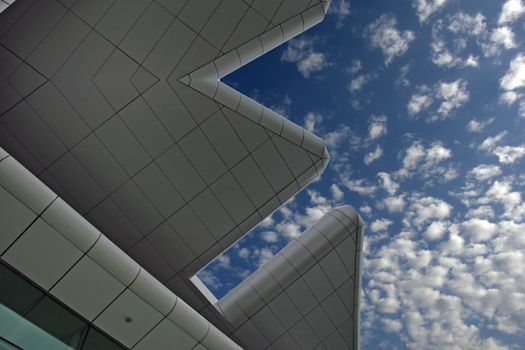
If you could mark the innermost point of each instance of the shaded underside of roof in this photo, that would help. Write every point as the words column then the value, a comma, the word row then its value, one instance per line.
column 116, row 106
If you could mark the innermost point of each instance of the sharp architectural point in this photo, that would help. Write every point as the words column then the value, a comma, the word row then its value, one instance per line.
column 126, row 166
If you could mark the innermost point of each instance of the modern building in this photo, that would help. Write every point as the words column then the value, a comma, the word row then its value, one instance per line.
column 126, row 167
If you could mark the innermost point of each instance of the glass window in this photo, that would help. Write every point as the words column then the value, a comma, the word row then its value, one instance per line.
column 30, row 319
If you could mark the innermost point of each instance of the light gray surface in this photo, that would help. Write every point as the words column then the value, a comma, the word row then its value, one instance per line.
column 117, row 106
column 67, row 257
column 306, row 294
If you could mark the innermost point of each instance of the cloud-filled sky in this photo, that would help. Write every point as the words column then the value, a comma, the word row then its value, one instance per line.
column 422, row 105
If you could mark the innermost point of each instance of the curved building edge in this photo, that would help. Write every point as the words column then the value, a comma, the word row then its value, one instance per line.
column 69, row 257
column 324, row 262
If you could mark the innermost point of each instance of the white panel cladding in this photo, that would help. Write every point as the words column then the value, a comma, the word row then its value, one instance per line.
column 96, row 279
column 26, row 187
column 51, row 254
column 251, row 24
column 87, row 288
column 128, row 318
column 114, row 260
column 141, row 128
column 71, row 225
column 166, row 335
column 15, row 218
column 126, row 123
column 193, row 323
column 153, row 292
column 305, row 297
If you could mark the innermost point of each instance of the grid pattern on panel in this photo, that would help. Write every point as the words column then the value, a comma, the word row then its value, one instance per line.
column 4, row 4
column 91, row 103
column 76, row 264
column 305, row 297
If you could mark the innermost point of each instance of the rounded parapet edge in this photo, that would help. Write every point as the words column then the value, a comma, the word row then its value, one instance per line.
column 294, row 260
column 326, row 5
column 206, row 80
column 111, row 260
column 352, row 214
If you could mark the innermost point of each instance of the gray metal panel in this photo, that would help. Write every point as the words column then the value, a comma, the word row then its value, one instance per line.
column 314, row 305
column 74, row 262
column 108, row 116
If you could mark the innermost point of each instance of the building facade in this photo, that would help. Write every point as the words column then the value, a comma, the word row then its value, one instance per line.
column 127, row 166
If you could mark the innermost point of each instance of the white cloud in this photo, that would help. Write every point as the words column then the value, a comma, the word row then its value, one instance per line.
column 500, row 38
column 337, row 194
column 467, row 24
column 450, row 43
column 451, row 95
column 365, row 209
column 472, row 61
column 269, row 236
column 502, row 192
column 511, row 11
column 414, row 154
column 478, row 229
column 244, row 252
column 263, row 255
column 380, row 225
column 425, row 209
column 224, row 261
column 437, row 153
column 478, row 126
column 315, row 62
column 428, row 162
column 358, row 83
column 481, row 212
column 509, row 97
column 336, row 137
column 450, row 52
column 490, row 142
column 484, row 172
column 210, row 279
column 361, row 186
column 522, row 108
column 373, row 156
column 289, row 229
column 506, row 154
column 447, row 297
column 424, row 8
column 377, row 127
column 312, row 120
column 391, row 325
column 514, row 78
column 341, row 10
column 301, row 51
column 441, row 56
column 383, row 34
column 387, row 183
column 419, row 102
column 267, row 222
column 394, row 203
column 509, row 154
column 356, row 66
column 403, row 73
column 436, row 230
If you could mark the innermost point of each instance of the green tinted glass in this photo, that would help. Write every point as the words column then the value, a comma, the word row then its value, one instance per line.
column 30, row 319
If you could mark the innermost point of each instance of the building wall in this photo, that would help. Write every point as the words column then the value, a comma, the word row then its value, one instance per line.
column 305, row 297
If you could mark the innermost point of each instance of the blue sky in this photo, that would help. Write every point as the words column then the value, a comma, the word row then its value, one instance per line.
column 422, row 105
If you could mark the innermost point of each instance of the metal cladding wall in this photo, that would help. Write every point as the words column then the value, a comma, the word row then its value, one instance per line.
column 94, row 100
column 307, row 296
column 47, row 241
column 116, row 105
